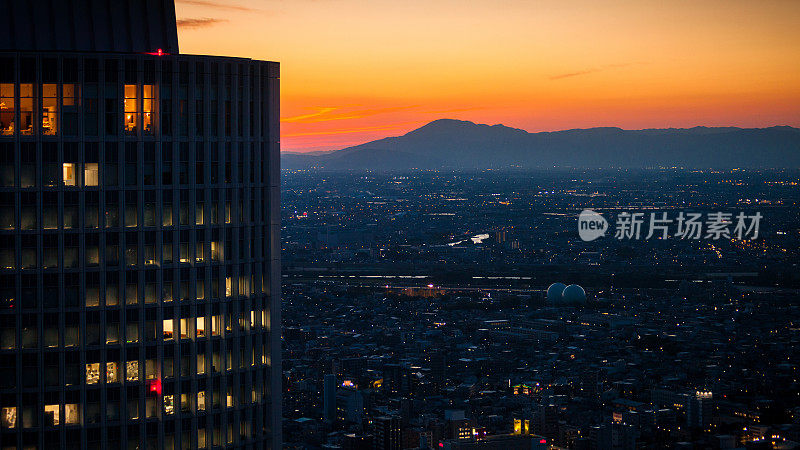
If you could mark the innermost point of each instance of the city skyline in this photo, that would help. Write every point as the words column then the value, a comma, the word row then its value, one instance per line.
column 355, row 72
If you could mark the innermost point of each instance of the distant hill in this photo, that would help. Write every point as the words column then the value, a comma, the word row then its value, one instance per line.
column 456, row 144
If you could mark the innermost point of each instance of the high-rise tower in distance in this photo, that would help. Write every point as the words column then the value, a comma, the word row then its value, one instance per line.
column 139, row 234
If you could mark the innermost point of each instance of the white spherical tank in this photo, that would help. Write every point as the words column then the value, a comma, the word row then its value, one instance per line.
column 574, row 294
column 555, row 292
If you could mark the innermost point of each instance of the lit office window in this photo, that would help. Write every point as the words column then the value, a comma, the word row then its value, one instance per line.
column 50, row 109
column 131, row 109
column 147, row 108
column 216, row 325
column 244, row 286
column 26, row 108
column 216, row 248
column 68, row 174
column 185, row 331
column 169, row 404
column 91, row 174
column 72, row 414
column 112, row 372
column 132, row 370
column 7, row 109
column 169, row 330
column 201, row 327
column 51, row 415
column 201, row 437
column 139, row 110
column 201, row 401
column 198, row 214
column 92, row 373
column 8, row 417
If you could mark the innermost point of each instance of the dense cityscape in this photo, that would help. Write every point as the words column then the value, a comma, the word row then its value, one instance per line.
column 405, row 235
column 417, row 314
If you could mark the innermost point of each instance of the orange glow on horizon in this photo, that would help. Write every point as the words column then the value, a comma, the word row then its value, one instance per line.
column 354, row 71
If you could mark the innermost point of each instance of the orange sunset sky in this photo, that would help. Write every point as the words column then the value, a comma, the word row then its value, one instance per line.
column 357, row 70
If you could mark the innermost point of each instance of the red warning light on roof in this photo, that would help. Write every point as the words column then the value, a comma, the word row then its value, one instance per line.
column 159, row 52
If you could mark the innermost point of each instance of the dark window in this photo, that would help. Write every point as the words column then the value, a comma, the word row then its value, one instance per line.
column 183, row 163
column 7, row 163
column 91, row 111
column 111, row 165
column 112, row 116
column 166, row 163
column 7, row 69
column 131, row 164
column 70, row 70
column 111, row 70
column 49, row 70
column 91, row 70
column 199, row 164
column 130, row 71
column 149, row 166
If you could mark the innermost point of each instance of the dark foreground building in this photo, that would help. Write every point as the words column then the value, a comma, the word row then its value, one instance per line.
column 139, row 248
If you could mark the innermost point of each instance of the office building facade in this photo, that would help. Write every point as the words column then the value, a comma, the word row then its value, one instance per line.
column 139, row 234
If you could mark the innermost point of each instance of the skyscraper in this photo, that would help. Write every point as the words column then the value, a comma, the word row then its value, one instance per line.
column 386, row 430
column 700, row 409
column 329, row 397
column 139, row 234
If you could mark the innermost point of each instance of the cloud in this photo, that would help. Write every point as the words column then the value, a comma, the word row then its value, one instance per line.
column 309, row 117
column 326, row 114
column 573, row 74
column 199, row 23
column 593, row 70
column 217, row 5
